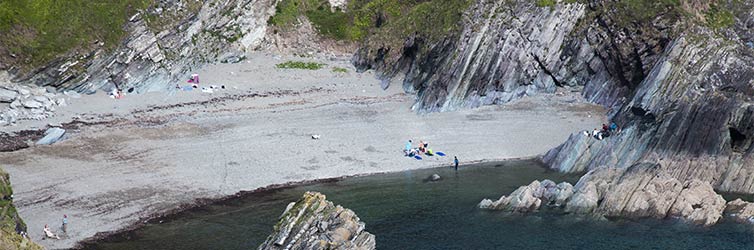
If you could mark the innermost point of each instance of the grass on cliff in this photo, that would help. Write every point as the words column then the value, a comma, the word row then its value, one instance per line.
column 718, row 17
column 300, row 65
column 37, row 31
column 363, row 18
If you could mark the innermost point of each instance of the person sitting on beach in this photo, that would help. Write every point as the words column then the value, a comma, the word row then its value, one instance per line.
column 50, row 234
column 421, row 147
column 613, row 127
column 408, row 147
column 596, row 134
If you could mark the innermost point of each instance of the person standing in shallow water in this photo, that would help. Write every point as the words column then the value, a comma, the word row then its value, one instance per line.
column 455, row 162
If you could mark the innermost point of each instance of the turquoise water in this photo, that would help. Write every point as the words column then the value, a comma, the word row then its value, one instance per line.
column 405, row 212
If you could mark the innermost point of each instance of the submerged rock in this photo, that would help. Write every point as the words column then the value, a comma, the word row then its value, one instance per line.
column 434, row 177
column 315, row 223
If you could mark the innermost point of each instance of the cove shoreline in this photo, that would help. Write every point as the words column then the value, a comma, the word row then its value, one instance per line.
column 128, row 232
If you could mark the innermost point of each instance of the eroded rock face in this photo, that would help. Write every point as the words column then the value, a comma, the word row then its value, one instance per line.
column 315, row 223
column 639, row 192
column 529, row 198
column 740, row 211
column 691, row 112
column 635, row 192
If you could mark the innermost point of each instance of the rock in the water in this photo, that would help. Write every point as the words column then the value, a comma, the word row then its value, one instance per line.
column 52, row 135
column 434, row 177
column 315, row 223
column 740, row 211
column 638, row 192
column 529, row 198
column 698, row 203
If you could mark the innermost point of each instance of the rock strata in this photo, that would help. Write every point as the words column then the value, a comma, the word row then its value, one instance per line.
column 529, row 198
column 740, row 211
column 315, row 223
column 635, row 193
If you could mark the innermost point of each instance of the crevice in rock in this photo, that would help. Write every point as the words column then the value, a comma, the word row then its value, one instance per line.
column 737, row 140
column 547, row 71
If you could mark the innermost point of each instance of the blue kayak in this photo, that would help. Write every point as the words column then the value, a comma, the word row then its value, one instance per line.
column 417, row 157
column 440, row 153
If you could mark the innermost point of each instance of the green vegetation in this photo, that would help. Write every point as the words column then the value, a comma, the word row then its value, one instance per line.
column 646, row 10
column 383, row 18
column 9, row 239
column 545, row 3
column 339, row 70
column 44, row 29
column 300, row 65
column 718, row 17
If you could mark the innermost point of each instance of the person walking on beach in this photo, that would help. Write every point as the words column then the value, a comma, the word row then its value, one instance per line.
column 455, row 161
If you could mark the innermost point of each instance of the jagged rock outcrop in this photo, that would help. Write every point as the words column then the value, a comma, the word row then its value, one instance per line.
column 635, row 192
column 692, row 115
column 315, row 223
column 507, row 49
column 740, row 211
column 639, row 192
column 529, row 198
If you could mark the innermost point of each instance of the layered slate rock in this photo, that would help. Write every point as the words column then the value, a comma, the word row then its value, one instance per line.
column 153, row 56
column 315, row 223
column 740, row 211
column 635, row 193
column 529, row 198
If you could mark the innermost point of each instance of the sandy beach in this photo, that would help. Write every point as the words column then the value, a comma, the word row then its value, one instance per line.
column 130, row 159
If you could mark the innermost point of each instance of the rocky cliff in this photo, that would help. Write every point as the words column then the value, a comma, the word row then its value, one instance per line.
column 678, row 77
column 12, row 227
column 691, row 114
column 315, row 223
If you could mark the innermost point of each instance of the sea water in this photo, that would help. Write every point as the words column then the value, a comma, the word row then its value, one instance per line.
column 405, row 211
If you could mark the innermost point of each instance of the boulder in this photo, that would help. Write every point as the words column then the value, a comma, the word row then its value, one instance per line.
column 434, row 177
column 740, row 211
column 698, row 203
column 31, row 104
column 52, row 135
column 315, row 223
column 529, row 198
column 7, row 95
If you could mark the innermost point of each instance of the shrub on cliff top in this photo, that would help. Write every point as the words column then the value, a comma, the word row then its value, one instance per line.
column 363, row 18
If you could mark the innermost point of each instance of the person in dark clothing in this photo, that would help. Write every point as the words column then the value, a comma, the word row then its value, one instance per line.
column 455, row 161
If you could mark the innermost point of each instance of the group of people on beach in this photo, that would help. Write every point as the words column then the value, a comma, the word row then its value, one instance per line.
column 48, row 234
column 605, row 132
column 422, row 149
